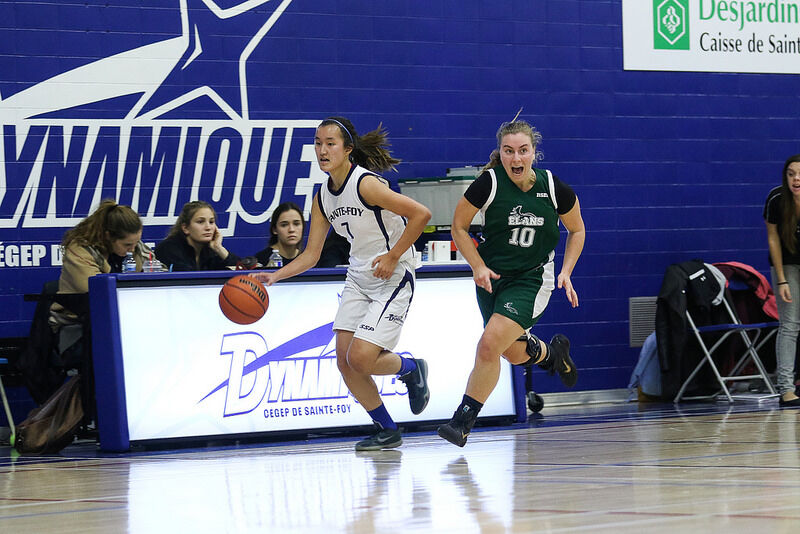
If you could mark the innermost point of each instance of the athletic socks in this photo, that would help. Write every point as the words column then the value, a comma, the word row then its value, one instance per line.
column 379, row 415
column 457, row 429
column 406, row 366
column 474, row 405
column 382, row 418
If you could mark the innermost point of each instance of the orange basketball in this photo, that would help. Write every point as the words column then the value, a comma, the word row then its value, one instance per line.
column 243, row 299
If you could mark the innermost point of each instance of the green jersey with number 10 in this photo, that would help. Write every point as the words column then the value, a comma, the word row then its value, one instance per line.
column 520, row 230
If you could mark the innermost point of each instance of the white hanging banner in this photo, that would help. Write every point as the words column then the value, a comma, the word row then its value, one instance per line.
column 712, row 35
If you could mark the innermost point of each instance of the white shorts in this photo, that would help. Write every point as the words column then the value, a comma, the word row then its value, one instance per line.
column 374, row 309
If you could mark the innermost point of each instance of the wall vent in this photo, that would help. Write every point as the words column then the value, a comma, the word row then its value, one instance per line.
column 641, row 318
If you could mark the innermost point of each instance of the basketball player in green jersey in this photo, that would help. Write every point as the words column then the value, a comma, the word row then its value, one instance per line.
column 513, row 267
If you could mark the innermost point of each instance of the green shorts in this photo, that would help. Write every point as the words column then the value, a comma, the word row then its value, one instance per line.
column 522, row 299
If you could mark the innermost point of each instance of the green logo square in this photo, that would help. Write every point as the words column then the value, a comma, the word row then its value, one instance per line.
column 671, row 24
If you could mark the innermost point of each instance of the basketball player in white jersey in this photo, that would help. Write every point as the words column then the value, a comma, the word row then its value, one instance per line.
column 381, row 226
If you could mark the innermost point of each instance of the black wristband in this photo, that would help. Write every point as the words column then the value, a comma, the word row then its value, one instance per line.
column 781, row 283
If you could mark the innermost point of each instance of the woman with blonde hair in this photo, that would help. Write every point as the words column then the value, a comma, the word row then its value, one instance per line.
column 513, row 267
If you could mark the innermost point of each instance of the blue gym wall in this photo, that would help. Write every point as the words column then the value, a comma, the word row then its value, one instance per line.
column 668, row 166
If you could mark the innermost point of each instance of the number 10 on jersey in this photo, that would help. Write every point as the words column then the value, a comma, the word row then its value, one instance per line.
column 522, row 237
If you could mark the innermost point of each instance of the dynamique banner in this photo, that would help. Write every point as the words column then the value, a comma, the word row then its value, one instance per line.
column 712, row 35
column 153, row 126
column 211, row 377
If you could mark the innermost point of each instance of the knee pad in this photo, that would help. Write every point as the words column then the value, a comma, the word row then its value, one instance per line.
column 532, row 347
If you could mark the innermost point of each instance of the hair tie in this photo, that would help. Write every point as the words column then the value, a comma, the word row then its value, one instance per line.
column 343, row 128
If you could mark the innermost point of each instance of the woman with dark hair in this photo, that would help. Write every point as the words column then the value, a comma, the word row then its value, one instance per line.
column 286, row 229
column 381, row 226
column 98, row 244
column 513, row 267
column 781, row 213
column 194, row 243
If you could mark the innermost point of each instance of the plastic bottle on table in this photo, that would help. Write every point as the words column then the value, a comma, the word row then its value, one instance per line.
column 275, row 260
column 129, row 263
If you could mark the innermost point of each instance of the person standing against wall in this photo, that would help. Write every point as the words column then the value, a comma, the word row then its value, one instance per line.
column 381, row 226
column 513, row 266
column 782, row 217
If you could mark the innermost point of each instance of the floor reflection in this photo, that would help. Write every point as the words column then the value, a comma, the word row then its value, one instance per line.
column 357, row 492
column 478, row 504
column 613, row 468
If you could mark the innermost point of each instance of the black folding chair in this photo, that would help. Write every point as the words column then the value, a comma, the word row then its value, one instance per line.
column 713, row 337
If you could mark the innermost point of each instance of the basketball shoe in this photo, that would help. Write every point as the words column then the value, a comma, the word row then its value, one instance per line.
column 557, row 359
column 458, row 428
column 384, row 438
column 417, row 384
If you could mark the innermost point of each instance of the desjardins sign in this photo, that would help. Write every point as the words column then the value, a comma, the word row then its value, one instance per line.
column 712, row 35
column 742, row 13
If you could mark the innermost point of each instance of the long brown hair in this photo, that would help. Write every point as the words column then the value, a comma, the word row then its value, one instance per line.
column 788, row 216
column 515, row 127
column 370, row 150
column 188, row 211
column 109, row 222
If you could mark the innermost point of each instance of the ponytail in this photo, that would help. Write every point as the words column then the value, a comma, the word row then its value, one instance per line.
column 494, row 160
column 109, row 222
column 371, row 150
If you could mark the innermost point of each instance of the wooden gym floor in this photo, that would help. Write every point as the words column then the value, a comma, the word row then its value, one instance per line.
column 602, row 468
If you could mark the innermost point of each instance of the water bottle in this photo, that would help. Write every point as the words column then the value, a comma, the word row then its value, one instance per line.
column 275, row 260
column 426, row 252
column 129, row 263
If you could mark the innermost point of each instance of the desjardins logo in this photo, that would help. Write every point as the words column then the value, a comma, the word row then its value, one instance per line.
column 671, row 24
